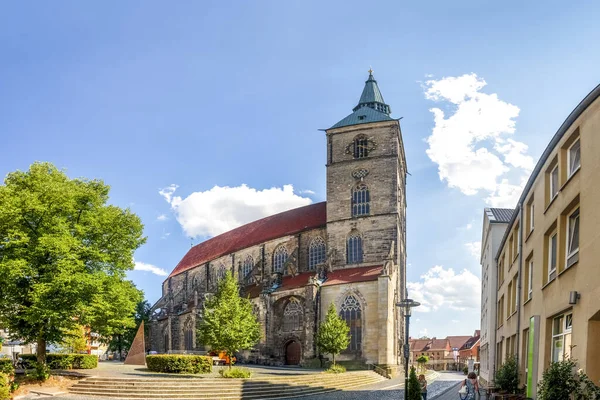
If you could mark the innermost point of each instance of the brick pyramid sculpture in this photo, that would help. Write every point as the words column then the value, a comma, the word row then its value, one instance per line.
column 137, row 351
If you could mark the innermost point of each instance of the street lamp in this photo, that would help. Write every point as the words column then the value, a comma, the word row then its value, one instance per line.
column 406, row 304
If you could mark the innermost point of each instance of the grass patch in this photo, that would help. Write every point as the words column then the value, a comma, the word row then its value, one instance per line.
column 235, row 372
column 336, row 369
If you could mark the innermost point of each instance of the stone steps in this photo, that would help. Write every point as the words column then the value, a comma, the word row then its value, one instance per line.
column 212, row 388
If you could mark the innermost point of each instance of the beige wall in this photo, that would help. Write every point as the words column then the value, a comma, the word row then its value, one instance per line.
column 551, row 297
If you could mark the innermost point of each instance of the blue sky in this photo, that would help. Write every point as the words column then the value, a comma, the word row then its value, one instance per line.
column 145, row 95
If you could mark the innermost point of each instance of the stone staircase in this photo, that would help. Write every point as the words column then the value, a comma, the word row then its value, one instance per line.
column 279, row 387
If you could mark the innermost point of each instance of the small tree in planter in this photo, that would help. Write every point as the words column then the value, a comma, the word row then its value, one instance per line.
column 507, row 376
column 421, row 361
column 561, row 381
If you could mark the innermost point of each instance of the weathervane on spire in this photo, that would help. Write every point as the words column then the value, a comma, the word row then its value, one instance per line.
column 370, row 70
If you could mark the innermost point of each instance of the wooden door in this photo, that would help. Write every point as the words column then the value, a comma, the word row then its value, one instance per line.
column 293, row 352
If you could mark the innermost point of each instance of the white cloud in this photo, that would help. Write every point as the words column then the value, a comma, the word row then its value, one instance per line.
column 307, row 191
column 469, row 226
column 424, row 333
column 140, row 266
column 471, row 146
column 162, row 217
column 221, row 209
column 443, row 288
column 165, row 235
column 474, row 249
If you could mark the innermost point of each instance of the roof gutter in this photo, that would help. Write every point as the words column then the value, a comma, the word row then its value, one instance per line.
column 576, row 113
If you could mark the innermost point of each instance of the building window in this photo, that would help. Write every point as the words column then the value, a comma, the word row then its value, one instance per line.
column 573, row 238
column 292, row 316
column 188, row 335
column 361, row 201
column 354, row 252
column 530, row 280
column 280, row 256
column 561, row 337
column 247, row 266
column 552, row 252
column 316, row 253
column 221, row 272
column 554, row 182
column 351, row 313
column 574, row 157
column 531, row 216
column 361, row 147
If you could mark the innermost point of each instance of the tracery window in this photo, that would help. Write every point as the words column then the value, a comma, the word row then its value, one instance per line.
column 221, row 272
column 361, row 147
column 354, row 252
column 247, row 266
column 280, row 256
column 316, row 253
column 188, row 335
column 292, row 316
column 351, row 312
column 361, row 200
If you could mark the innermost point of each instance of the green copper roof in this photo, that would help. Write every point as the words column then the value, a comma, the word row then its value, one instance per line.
column 364, row 115
column 371, row 106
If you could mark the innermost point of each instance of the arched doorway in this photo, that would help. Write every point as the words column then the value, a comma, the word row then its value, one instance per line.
column 293, row 353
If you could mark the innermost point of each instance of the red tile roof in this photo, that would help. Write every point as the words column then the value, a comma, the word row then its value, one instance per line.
column 357, row 274
column 457, row 341
column 294, row 282
column 438, row 344
column 269, row 228
column 419, row 344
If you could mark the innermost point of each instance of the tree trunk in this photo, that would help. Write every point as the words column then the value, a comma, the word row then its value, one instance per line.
column 41, row 350
column 120, row 348
column 333, row 354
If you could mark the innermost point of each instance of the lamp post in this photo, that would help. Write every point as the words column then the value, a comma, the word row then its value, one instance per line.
column 406, row 304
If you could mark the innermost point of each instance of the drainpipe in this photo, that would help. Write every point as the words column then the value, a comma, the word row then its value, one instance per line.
column 519, row 286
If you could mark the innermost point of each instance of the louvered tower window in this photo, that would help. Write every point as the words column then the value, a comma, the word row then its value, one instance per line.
column 361, row 147
column 354, row 252
column 361, row 201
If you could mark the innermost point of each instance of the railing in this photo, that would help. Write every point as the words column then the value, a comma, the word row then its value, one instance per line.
column 379, row 370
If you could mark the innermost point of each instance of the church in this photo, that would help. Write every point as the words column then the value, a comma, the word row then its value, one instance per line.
column 349, row 251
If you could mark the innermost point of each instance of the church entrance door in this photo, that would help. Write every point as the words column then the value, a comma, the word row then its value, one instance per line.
column 293, row 352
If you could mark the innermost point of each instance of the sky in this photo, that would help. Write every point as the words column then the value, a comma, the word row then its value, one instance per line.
column 202, row 116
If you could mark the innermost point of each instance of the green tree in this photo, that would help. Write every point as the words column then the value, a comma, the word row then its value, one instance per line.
column 123, row 338
column 64, row 254
column 74, row 340
column 421, row 361
column 507, row 376
column 228, row 323
column 414, row 388
column 333, row 335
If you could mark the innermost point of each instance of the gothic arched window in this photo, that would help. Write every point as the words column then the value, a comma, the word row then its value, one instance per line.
column 280, row 256
column 247, row 266
column 350, row 311
column 316, row 253
column 292, row 316
column 221, row 272
column 195, row 283
column 188, row 335
column 361, row 147
column 361, row 200
column 354, row 252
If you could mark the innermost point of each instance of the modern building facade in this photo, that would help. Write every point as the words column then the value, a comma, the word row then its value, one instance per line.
column 547, row 264
column 348, row 251
column 495, row 221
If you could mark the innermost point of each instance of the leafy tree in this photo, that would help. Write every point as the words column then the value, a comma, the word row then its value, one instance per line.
column 64, row 253
column 228, row 323
column 422, row 360
column 507, row 376
column 334, row 334
column 74, row 340
column 123, row 338
column 414, row 387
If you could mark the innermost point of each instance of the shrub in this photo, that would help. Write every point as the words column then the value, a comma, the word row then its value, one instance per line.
column 40, row 372
column 64, row 361
column 507, row 376
column 176, row 363
column 414, row 387
column 4, row 387
column 560, row 381
column 336, row 369
column 465, row 370
column 235, row 372
column 6, row 366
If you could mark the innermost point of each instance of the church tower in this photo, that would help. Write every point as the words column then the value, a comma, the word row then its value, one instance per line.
column 366, row 203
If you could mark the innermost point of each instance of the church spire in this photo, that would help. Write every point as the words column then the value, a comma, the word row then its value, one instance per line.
column 371, row 97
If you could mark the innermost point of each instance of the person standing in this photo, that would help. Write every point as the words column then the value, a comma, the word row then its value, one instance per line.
column 471, row 385
column 423, row 383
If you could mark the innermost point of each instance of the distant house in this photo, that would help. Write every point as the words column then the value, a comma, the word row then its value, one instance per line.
column 470, row 350
column 441, row 352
